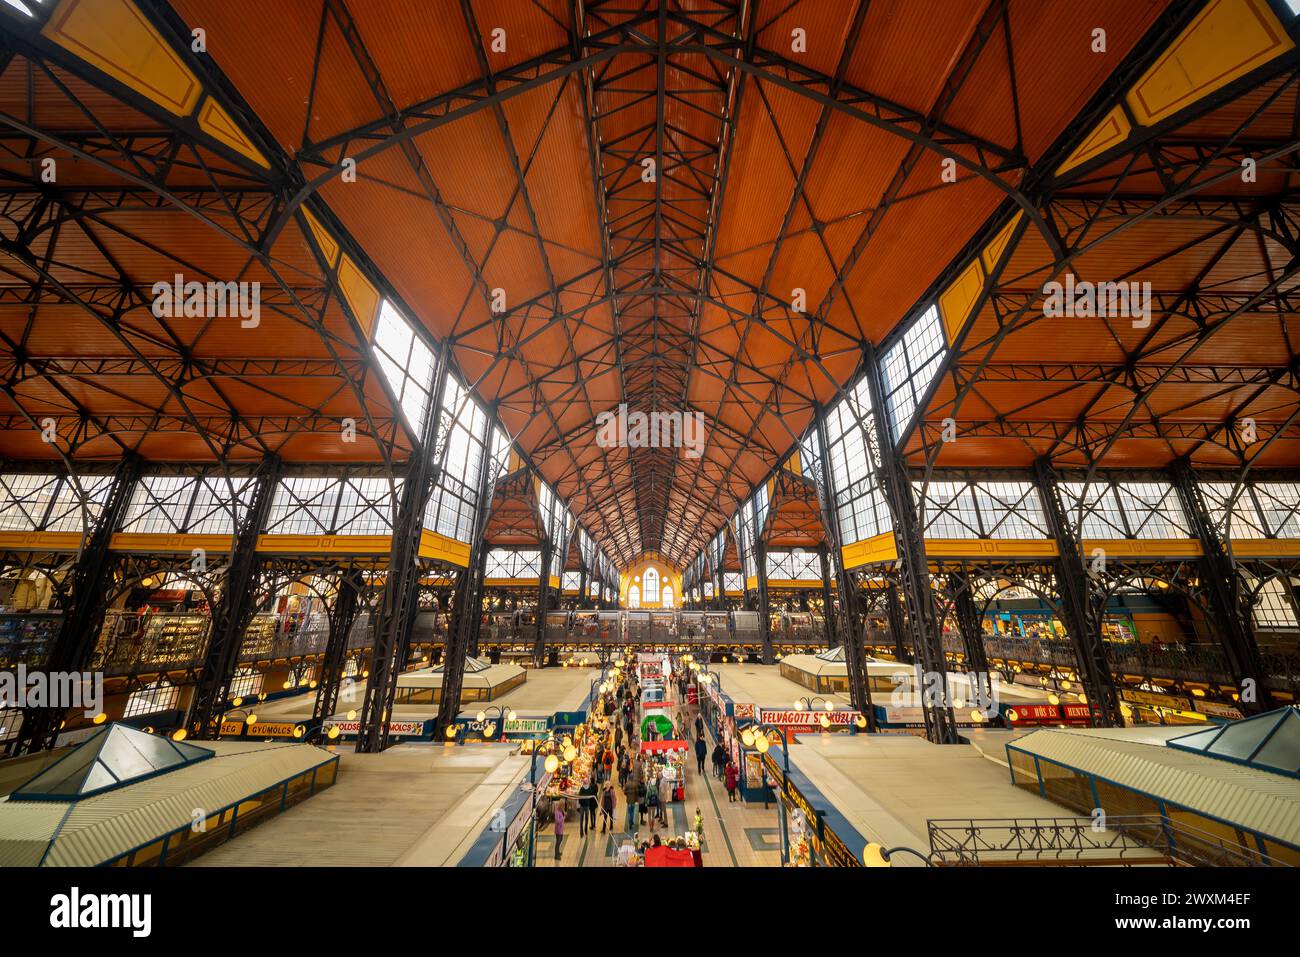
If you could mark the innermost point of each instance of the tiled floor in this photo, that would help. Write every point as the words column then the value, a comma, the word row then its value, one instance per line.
column 735, row 835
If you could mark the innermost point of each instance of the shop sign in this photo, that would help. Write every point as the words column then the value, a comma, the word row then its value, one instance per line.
column 834, row 851
column 1077, row 712
column 1034, row 713
column 233, row 729
column 745, row 710
column 395, row 728
column 512, row 831
column 793, row 795
column 1219, row 710
column 1157, row 700
column 806, row 720
column 568, row 719
column 526, row 726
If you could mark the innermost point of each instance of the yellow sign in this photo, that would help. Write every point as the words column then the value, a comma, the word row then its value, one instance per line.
column 279, row 729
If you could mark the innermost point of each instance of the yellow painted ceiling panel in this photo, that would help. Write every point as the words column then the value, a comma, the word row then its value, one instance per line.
column 957, row 301
column 221, row 126
column 1227, row 40
column 115, row 37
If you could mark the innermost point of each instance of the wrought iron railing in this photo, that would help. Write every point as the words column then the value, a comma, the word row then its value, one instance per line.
column 1137, row 840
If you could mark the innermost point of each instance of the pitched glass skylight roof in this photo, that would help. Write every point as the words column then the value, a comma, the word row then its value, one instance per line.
column 114, row 756
column 1270, row 741
column 472, row 666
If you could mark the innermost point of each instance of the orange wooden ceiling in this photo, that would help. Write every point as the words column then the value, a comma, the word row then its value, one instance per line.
column 1102, row 392
column 669, row 296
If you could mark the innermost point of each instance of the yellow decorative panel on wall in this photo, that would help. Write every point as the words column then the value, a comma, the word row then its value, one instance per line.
column 1110, row 132
column 325, row 544
column 957, row 301
column 1145, row 547
column 1227, row 40
column 40, row 541
column 990, row 547
column 362, row 297
column 1267, row 548
column 329, row 246
column 115, row 37
column 158, row 543
column 434, row 545
column 992, row 254
column 880, row 548
column 219, row 124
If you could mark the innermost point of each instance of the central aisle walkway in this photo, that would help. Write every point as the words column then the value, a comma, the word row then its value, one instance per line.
column 735, row 835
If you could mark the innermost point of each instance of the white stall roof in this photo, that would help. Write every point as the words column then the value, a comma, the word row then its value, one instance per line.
column 1248, row 797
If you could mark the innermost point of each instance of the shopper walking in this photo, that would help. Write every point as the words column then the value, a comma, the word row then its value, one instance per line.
column 559, row 827
column 719, row 761
column 699, row 726
column 607, row 765
column 607, row 809
column 586, row 806
column 701, row 752
column 665, row 798
column 630, row 793
column 732, row 780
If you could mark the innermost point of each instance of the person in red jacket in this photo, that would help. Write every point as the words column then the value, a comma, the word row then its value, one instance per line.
column 733, row 779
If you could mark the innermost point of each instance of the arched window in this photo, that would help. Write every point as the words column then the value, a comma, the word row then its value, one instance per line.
column 651, row 579
column 634, row 597
column 668, row 595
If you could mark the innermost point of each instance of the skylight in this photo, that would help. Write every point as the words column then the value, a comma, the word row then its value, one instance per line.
column 407, row 363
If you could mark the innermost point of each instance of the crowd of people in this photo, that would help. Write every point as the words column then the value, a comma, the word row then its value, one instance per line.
column 646, row 784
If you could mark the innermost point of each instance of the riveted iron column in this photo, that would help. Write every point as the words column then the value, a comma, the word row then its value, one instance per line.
column 235, row 608
column 474, row 610
column 764, row 610
column 467, row 608
column 400, row 600
column 851, row 634
column 1229, row 604
column 828, row 606
column 342, row 616
column 913, row 569
column 543, row 603
column 897, row 622
column 971, row 628
column 84, row 616
column 1081, row 606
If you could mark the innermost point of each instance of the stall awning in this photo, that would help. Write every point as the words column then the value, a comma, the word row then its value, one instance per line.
column 647, row 746
column 669, row 857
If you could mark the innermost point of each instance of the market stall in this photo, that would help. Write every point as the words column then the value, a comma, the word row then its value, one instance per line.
column 666, row 759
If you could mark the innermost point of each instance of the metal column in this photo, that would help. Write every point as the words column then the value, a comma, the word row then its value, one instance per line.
column 850, row 620
column 235, row 609
column 1081, row 607
column 467, row 607
column 1227, row 598
column 828, row 604
column 914, row 571
column 82, row 620
column 543, row 602
column 401, row 596
column 971, row 626
column 764, row 611
column 342, row 616
column 897, row 623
